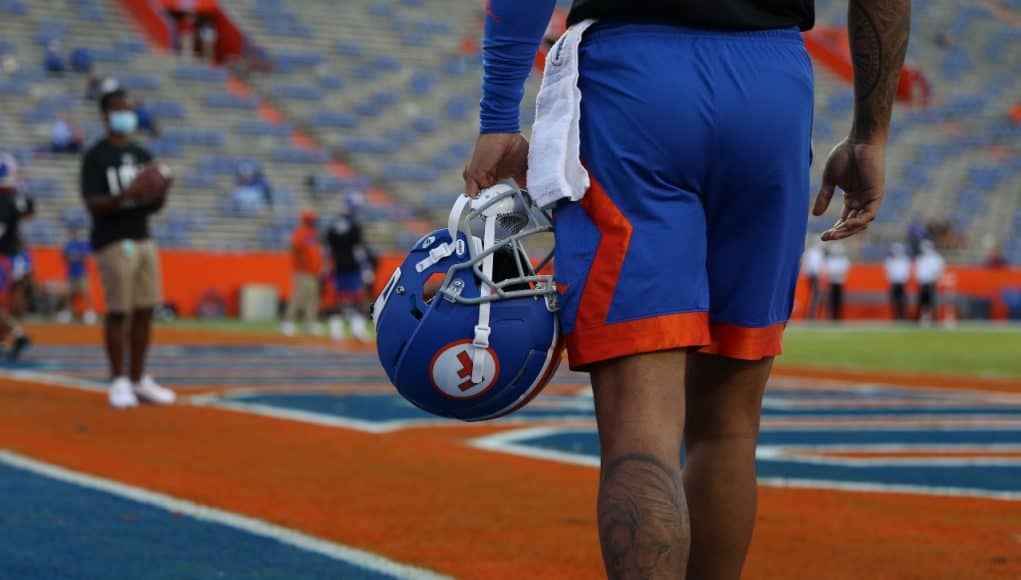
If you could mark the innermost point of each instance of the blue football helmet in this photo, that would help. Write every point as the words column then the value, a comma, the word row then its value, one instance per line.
column 486, row 340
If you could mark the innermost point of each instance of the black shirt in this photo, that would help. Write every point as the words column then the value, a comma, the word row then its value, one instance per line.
column 108, row 170
column 713, row 14
column 344, row 238
column 13, row 207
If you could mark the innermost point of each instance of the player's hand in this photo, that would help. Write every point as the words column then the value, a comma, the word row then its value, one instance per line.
column 496, row 157
column 858, row 169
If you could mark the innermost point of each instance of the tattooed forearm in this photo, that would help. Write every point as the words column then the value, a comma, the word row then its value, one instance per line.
column 879, row 39
column 643, row 523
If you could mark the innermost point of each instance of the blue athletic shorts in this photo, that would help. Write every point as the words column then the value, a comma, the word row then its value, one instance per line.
column 349, row 284
column 698, row 144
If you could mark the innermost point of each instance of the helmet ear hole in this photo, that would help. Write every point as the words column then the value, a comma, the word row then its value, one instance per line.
column 432, row 285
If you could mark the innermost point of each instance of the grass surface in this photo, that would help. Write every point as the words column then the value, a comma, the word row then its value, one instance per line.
column 988, row 351
column 966, row 350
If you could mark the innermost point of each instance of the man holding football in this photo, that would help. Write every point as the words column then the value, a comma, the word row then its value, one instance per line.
column 121, row 187
column 676, row 264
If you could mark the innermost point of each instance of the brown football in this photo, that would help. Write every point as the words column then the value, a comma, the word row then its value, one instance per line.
column 153, row 181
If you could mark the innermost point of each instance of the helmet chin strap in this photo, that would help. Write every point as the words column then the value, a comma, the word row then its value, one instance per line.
column 482, row 329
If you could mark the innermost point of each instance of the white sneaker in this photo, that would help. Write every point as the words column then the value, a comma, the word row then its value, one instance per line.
column 90, row 317
column 147, row 390
column 337, row 332
column 288, row 329
column 64, row 317
column 120, row 394
column 360, row 330
column 315, row 329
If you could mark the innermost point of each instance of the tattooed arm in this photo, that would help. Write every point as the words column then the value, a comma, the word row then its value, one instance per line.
column 879, row 40
column 878, row 31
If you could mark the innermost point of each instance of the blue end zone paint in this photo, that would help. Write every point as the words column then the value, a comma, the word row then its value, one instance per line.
column 242, row 365
column 386, row 408
column 802, row 422
column 54, row 529
column 889, row 472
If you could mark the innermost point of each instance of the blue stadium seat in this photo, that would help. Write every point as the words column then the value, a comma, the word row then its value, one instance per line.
column 333, row 119
column 227, row 100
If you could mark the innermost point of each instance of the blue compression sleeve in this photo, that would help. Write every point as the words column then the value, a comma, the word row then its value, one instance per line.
column 514, row 29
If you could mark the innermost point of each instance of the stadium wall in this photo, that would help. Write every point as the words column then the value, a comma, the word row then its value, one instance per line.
column 188, row 274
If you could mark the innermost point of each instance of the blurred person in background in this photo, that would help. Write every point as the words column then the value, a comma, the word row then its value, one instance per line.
column 837, row 267
column 251, row 192
column 208, row 36
column 307, row 258
column 813, row 265
column 65, row 137
column 79, row 300
column 15, row 207
column 898, row 270
column 929, row 266
column 121, row 187
column 53, row 60
column 347, row 250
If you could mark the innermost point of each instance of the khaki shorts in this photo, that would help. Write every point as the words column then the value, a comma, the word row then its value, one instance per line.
column 130, row 272
column 78, row 285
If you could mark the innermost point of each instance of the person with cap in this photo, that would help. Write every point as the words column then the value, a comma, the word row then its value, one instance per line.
column 813, row 266
column 307, row 257
column 929, row 266
column 898, row 269
column 122, row 185
column 837, row 267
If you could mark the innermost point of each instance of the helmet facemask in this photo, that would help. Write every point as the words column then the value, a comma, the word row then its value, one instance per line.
column 496, row 225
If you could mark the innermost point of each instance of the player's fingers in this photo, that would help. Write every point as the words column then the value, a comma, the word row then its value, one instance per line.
column 834, row 234
column 471, row 187
column 822, row 199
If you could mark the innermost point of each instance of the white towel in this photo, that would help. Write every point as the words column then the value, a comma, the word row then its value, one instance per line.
column 555, row 171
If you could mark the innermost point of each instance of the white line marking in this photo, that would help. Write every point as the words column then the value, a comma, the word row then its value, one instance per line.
column 253, row 526
column 508, row 442
column 53, row 380
column 889, row 488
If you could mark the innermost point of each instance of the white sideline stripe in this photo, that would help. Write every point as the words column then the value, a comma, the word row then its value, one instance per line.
column 253, row 526
column 54, row 380
column 889, row 488
column 507, row 442
column 302, row 416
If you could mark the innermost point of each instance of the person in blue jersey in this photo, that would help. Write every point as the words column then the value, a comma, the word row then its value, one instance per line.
column 678, row 245
column 76, row 253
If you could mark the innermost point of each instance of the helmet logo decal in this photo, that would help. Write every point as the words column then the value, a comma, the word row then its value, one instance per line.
column 428, row 242
column 451, row 371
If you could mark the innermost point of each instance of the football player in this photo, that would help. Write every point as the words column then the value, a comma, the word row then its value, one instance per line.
column 677, row 268
column 15, row 264
column 76, row 253
column 121, row 188
column 347, row 249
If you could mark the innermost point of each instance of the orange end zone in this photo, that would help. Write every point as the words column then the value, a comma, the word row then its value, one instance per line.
column 424, row 497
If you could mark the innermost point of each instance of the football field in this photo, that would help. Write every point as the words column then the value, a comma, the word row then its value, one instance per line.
column 885, row 452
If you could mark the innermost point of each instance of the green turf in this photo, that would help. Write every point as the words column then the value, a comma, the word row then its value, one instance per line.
column 987, row 351
column 966, row 350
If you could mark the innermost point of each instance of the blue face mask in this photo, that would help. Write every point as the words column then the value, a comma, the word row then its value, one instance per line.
column 123, row 122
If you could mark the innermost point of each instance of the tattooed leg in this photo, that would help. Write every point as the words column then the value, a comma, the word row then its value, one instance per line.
column 642, row 513
column 643, row 518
